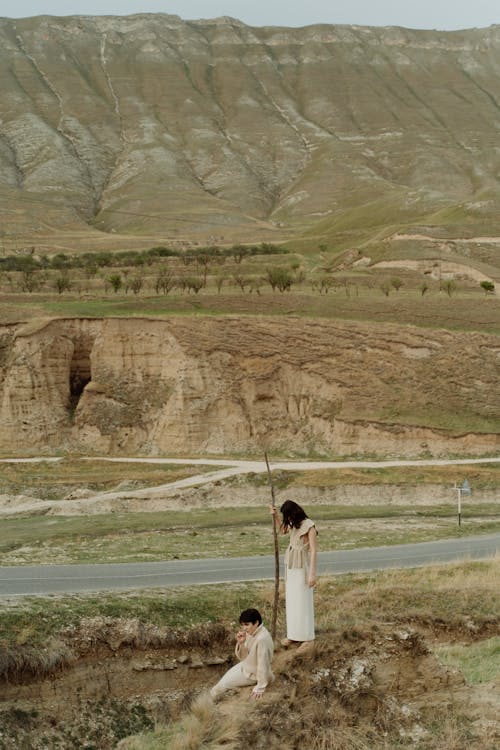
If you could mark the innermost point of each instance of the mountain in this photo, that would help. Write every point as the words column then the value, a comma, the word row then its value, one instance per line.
column 160, row 129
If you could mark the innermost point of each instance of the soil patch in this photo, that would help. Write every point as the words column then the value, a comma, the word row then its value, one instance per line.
column 123, row 678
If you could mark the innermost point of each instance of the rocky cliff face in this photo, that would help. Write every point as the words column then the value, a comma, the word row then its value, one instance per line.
column 211, row 386
column 209, row 128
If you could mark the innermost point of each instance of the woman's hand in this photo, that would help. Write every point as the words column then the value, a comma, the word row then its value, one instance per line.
column 273, row 511
column 311, row 581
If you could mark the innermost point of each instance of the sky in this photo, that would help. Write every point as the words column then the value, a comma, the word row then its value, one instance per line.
column 423, row 14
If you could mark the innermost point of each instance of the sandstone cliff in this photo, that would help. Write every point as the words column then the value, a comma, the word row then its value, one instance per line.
column 236, row 385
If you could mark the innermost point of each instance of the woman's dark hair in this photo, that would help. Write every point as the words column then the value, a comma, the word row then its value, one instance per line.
column 251, row 615
column 293, row 514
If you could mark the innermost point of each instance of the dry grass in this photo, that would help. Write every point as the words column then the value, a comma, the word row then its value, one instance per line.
column 202, row 727
column 205, row 727
column 340, row 738
column 343, row 694
column 462, row 596
column 56, row 479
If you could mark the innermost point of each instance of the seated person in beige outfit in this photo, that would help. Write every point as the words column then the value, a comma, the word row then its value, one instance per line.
column 254, row 649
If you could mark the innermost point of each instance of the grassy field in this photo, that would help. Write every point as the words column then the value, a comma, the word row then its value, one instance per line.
column 53, row 480
column 322, row 284
column 465, row 310
column 241, row 530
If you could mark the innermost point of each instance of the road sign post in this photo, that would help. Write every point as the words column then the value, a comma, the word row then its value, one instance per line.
column 465, row 489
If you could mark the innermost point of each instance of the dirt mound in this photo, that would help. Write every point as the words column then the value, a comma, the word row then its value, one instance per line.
column 368, row 688
column 358, row 687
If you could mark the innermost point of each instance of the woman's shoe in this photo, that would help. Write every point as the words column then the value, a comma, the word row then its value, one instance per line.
column 286, row 642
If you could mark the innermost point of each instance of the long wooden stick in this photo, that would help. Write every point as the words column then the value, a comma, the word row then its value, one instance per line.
column 276, row 555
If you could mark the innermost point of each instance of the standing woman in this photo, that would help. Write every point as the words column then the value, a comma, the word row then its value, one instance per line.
column 300, row 572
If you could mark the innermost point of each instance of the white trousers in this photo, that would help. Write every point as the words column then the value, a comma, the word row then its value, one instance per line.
column 234, row 678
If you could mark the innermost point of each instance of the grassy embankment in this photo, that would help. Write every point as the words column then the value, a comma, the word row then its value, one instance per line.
column 233, row 530
column 455, row 600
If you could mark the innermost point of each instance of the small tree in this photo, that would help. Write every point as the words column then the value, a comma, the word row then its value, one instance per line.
column 300, row 276
column 347, row 287
column 194, row 283
column 204, row 258
column 89, row 269
column 325, row 284
column 385, row 288
column 62, row 283
column 279, row 278
column 256, row 284
column 29, row 280
column 396, row 283
column 449, row 286
column 240, row 281
column 115, row 281
column 238, row 252
column 165, row 281
column 219, row 281
column 136, row 283
column 487, row 286
column 424, row 287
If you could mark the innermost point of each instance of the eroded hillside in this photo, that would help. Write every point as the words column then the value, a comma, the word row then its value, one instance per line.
column 238, row 384
column 211, row 129
column 365, row 685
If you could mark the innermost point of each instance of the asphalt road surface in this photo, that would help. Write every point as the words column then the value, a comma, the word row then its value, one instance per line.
column 73, row 579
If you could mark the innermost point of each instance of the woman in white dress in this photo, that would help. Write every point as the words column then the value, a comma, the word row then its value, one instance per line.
column 300, row 572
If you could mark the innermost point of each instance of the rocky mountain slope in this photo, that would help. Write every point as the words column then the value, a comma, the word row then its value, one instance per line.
column 237, row 384
column 151, row 125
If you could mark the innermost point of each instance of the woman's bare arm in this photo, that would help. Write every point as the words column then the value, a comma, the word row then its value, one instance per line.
column 312, row 535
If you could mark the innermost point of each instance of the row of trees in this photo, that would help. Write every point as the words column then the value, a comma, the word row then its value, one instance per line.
column 91, row 262
column 164, row 280
column 445, row 285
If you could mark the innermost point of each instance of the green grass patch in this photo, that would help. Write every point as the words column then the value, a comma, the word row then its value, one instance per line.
column 225, row 532
column 35, row 619
column 468, row 309
column 479, row 662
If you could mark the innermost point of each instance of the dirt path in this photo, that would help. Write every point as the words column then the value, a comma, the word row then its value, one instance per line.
column 11, row 505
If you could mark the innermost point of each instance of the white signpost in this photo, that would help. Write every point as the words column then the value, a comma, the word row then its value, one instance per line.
column 464, row 489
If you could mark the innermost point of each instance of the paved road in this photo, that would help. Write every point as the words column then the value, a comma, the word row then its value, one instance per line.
column 70, row 579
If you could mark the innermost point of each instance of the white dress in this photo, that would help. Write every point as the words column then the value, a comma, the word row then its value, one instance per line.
column 299, row 597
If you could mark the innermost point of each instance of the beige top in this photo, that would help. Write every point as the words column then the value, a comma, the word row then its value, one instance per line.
column 256, row 654
column 297, row 553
